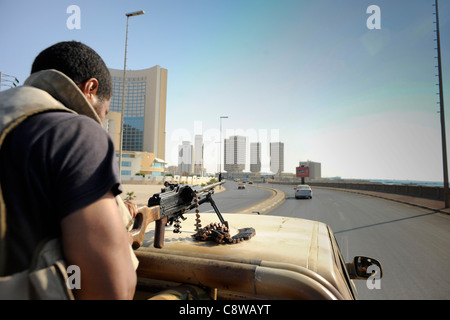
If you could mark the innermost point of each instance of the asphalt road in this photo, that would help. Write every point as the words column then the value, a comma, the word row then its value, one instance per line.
column 411, row 243
column 235, row 200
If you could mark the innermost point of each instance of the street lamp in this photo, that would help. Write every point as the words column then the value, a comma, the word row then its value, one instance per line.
column 220, row 151
column 441, row 103
column 131, row 14
column 136, row 13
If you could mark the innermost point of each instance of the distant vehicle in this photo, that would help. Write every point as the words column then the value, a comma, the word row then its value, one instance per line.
column 303, row 191
column 250, row 182
column 241, row 186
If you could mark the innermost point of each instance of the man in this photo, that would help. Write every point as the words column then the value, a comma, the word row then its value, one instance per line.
column 59, row 174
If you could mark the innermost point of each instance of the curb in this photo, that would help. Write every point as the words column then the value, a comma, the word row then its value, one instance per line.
column 278, row 197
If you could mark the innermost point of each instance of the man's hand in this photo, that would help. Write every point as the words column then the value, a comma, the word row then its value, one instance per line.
column 132, row 208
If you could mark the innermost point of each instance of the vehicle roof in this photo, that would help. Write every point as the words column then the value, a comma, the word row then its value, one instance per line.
column 291, row 241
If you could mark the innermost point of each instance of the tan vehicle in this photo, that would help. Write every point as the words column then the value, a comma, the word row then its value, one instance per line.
column 268, row 258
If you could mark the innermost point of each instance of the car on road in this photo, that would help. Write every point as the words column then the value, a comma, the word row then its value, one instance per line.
column 241, row 186
column 303, row 191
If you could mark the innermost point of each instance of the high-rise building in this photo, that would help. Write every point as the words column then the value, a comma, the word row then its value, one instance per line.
column 144, row 122
column 315, row 168
column 255, row 157
column 198, row 154
column 235, row 154
column 277, row 157
column 185, row 156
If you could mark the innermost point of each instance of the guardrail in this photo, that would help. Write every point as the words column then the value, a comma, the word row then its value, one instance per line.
column 435, row 193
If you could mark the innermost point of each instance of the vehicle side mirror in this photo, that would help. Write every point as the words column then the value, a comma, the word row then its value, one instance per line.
column 362, row 268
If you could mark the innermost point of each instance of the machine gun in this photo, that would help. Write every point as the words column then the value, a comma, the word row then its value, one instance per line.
column 168, row 207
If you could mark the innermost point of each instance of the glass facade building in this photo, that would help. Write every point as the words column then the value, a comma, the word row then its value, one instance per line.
column 144, row 118
column 144, row 113
column 134, row 112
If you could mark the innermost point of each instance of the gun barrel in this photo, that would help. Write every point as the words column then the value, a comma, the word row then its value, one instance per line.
column 208, row 187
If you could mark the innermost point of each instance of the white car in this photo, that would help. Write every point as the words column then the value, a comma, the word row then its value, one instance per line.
column 303, row 191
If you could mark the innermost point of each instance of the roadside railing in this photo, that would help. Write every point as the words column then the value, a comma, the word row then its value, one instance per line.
column 428, row 192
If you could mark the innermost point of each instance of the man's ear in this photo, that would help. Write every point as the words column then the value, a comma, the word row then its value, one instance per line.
column 89, row 88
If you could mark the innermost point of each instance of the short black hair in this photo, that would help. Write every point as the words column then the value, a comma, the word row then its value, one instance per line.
column 77, row 61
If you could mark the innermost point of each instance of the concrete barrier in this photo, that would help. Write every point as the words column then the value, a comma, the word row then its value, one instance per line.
column 427, row 192
column 435, row 193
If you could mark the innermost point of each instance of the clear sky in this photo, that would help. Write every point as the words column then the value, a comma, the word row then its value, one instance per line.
column 308, row 73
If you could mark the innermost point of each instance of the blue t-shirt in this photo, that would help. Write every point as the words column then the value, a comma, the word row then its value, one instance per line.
column 52, row 165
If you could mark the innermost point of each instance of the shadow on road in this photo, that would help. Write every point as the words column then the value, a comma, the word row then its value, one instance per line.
column 386, row 222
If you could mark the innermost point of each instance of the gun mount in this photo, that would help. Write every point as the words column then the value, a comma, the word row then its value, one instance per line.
column 167, row 208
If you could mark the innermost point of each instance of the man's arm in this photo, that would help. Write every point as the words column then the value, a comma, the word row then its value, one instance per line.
column 94, row 238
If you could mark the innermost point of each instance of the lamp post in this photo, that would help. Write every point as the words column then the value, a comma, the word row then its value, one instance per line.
column 220, row 151
column 131, row 14
column 441, row 103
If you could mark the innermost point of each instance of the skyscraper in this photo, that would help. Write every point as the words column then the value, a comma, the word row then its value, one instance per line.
column 185, row 155
column 255, row 157
column 235, row 154
column 277, row 157
column 144, row 122
column 198, row 154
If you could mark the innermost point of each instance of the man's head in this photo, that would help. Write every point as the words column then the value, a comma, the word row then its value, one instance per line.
column 84, row 66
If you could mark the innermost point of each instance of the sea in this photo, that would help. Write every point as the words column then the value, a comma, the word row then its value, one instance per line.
column 411, row 182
